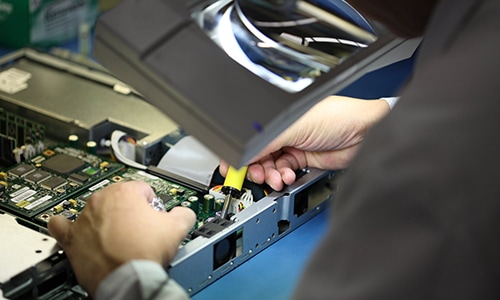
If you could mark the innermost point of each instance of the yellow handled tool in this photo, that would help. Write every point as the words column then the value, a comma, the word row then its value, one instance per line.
column 232, row 186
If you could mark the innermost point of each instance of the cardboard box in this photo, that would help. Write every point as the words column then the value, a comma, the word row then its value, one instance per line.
column 44, row 23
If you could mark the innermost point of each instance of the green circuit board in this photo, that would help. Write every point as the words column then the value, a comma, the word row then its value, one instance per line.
column 170, row 194
column 61, row 179
column 57, row 174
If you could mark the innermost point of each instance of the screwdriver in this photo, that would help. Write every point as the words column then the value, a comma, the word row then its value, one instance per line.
column 232, row 186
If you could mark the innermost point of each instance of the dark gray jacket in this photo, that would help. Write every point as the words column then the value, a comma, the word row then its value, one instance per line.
column 418, row 214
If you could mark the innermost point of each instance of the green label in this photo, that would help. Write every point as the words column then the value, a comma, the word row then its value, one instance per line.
column 55, row 22
column 6, row 10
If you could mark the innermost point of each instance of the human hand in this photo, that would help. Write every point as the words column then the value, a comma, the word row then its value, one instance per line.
column 118, row 225
column 326, row 137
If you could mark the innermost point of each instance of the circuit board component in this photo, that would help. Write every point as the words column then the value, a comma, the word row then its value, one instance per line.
column 50, row 178
column 60, row 180
column 19, row 137
column 169, row 194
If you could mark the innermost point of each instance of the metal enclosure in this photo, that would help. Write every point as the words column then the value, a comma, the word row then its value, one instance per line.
column 71, row 98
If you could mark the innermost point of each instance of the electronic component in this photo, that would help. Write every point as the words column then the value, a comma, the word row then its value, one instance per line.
column 167, row 194
column 194, row 203
column 73, row 140
column 21, row 170
column 68, row 214
column 51, row 177
column 165, row 198
column 7, row 146
column 18, row 137
column 63, row 164
column 213, row 227
column 91, row 147
column 53, row 183
column 219, row 204
column 37, row 176
column 79, row 178
column 208, row 203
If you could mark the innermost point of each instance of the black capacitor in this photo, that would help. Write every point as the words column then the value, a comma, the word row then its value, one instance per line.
column 66, row 204
column 73, row 141
column 91, row 147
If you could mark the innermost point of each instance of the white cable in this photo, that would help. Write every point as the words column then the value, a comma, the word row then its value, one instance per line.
column 116, row 136
column 247, row 198
column 247, row 195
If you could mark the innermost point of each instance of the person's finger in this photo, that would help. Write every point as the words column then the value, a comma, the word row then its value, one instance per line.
column 268, row 162
column 223, row 167
column 255, row 173
column 288, row 176
column 291, row 159
column 146, row 190
column 185, row 218
column 332, row 160
column 140, row 188
column 271, row 174
column 179, row 220
column 273, row 179
column 59, row 228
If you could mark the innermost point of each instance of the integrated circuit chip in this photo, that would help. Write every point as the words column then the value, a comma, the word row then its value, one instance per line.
column 68, row 214
column 79, row 178
column 53, row 183
column 63, row 164
column 21, row 170
column 165, row 197
column 37, row 176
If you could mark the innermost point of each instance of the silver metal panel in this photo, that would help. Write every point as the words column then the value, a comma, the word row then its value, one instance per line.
column 69, row 98
column 259, row 225
column 21, row 248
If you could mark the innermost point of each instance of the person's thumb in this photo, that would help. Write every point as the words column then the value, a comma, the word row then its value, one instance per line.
column 176, row 223
column 59, row 228
column 184, row 217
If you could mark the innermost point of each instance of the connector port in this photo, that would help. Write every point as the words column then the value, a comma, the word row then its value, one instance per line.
column 212, row 228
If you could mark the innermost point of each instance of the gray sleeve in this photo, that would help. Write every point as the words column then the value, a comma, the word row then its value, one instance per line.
column 391, row 101
column 139, row 279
